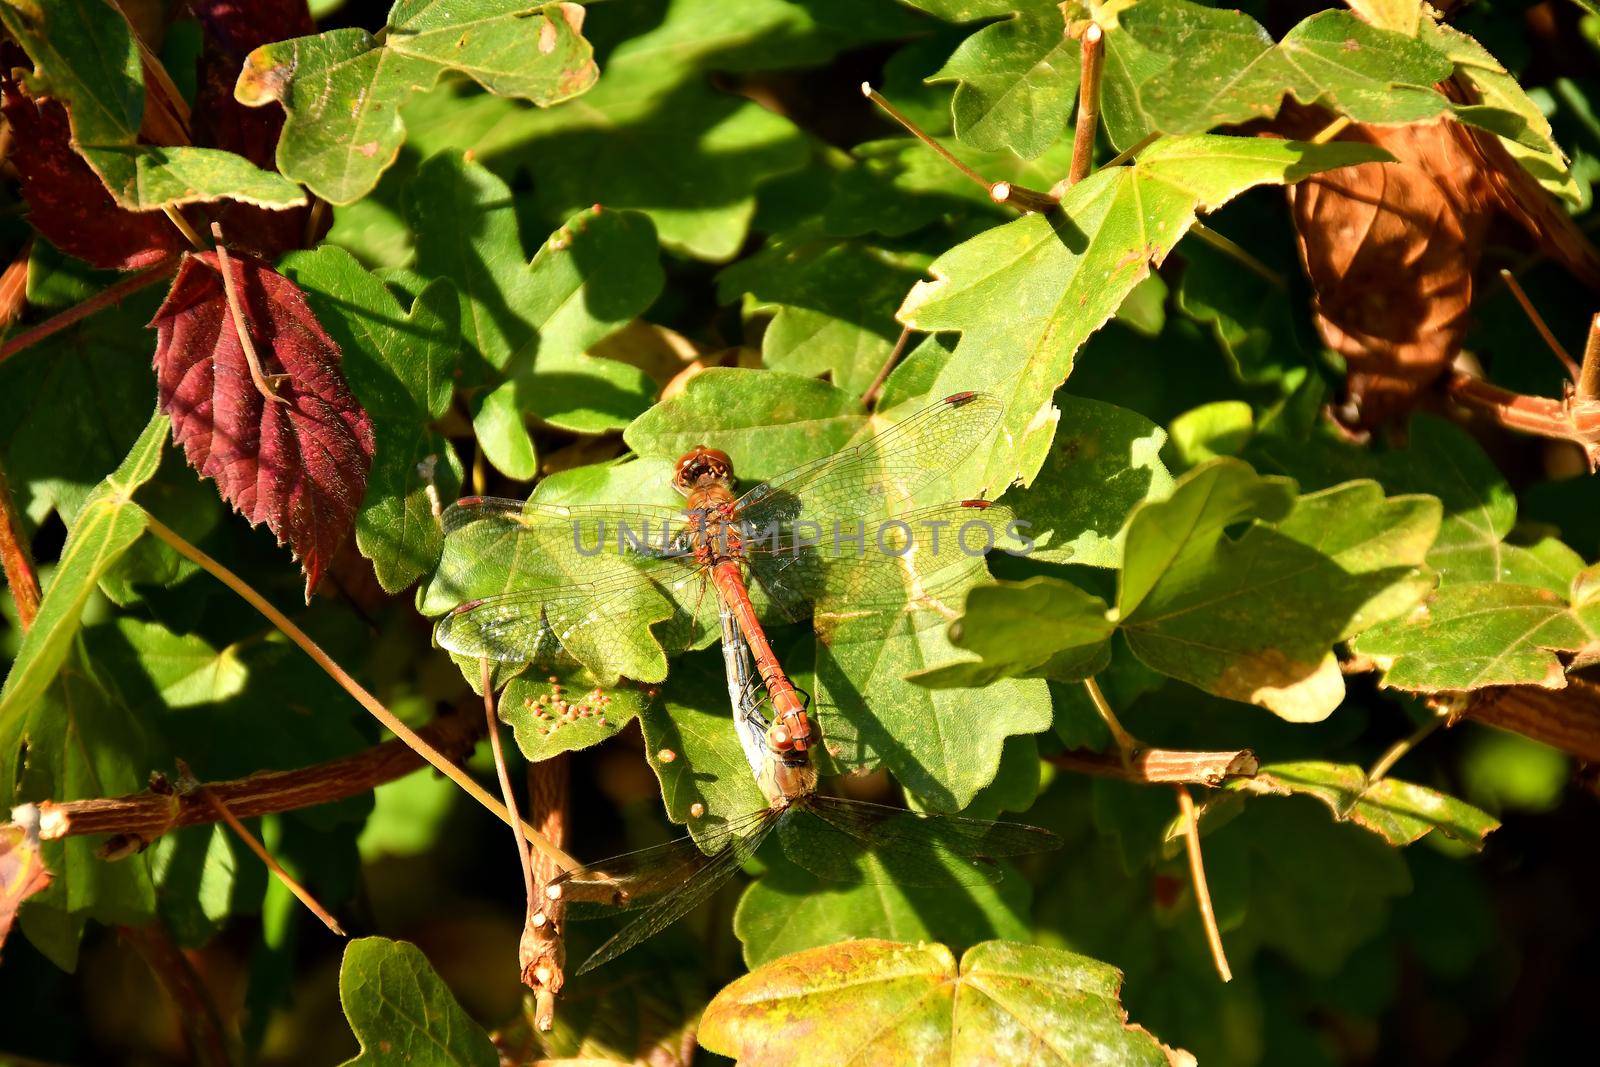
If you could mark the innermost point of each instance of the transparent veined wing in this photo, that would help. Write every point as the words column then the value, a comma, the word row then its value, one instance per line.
column 663, row 883
column 918, row 561
column 854, row 841
column 884, row 471
column 612, row 587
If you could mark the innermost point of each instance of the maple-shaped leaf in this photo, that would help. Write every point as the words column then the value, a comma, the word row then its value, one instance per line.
column 299, row 465
column 230, row 30
column 66, row 201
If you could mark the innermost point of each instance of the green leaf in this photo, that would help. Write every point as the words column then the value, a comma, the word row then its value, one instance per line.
column 1036, row 288
column 1257, row 329
column 551, row 717
column 1178, row 67
column 1040, row 628
column 766, row 421
column 1485, row 633
column 401, row 367
column 1496, row 86
column 402, row 1013
column 691, row 745
column 86, row 57
column 832, row 300
column 1255, row 618
column 1402, row 813
column 1016, row 81
column 533, row 321
column 184, row 669
column 342, row 90
column 789, row 909
column 1105, row 460
column 886, row 1001
column 651, row 135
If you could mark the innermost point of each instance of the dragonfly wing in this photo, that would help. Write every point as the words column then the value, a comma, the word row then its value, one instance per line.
column 853, row 841
column 530, row 582
column 920, row 561
column 687, row 887
column 880, row 472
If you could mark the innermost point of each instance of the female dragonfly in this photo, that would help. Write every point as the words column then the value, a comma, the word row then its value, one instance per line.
column 832, row 837
column 615, row 587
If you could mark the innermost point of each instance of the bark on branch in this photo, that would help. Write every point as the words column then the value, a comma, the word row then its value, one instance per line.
column 1164, row 765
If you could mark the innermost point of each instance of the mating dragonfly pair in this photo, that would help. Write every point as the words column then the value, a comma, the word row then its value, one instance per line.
column 814, row 538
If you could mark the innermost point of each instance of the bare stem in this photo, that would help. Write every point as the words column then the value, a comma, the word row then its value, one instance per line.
column 1166, row 766
column 1331, row 130
column 543, row 950
column 1133, row 150
column 17, row 559
column 1202, row 891
column 196, row 1009
column 1576, row 420
column 916, row 131
column 486, row 675
column 351, row 686
column 137, row 819
column 1238, row 252
column 266, row 385
column 1589, row 372
column 112, row 294
column 869, row 399
column 1540, row 325
column 178, row 219
column 188, row 784
column 1093, row 50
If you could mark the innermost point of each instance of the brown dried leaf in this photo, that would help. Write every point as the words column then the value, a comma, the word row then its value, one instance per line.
column 301, row 465
column 22, row 871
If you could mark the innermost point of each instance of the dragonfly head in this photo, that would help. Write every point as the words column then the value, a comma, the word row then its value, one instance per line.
column 700, row 467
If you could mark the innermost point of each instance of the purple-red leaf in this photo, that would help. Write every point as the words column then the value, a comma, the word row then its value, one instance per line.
column 299, row 466
column 66, row 200
column 231, row 29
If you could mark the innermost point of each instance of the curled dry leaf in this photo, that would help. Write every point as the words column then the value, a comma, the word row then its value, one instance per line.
column 22, row 870
column 67, row 202
column 299, row 465
column 231, row 30
column 1391, row 249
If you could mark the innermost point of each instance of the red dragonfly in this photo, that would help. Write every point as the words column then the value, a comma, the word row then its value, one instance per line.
column 834, row 838
column 583, row 581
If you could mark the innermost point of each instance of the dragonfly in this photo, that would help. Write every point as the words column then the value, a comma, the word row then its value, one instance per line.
column 577, row 581
column 834, row 838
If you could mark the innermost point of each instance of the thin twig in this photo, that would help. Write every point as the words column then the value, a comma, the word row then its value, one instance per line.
column 16, row 558
column 1238, row 252
column 266, row 384
column 137, row 819
column 314, row 217
column 1093, row 50
column 869, row 399
column 1589, row 371
column 1331, row 130
column 1166, row 766
column 1131, row 151
column 181, row 221
column 1128, row 746
column 350, row 685
column 486, row 675
column 196, row 1008
column 1539, row 324
column 543, row 951
column 112, row 294
column 1392, row 755
column 1202, row 891
column 1576, row 419
column 188, row 784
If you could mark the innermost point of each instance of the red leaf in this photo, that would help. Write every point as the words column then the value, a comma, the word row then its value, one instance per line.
column 66, row 201
column 232, row 28
column 22, row 872
column 300, row 466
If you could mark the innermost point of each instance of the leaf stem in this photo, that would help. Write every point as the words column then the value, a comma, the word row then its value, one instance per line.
column 1202, row 891
column 187, row 783
column 869, row 399
column 197, row 1012
column 112, row 294
column 1400, row 748
column 266, row 385
column 1128, row 746
column 1131, row 151
column 1539, row 324
column 1238, row 252
column 1331, row 130
column 351, row 686
column 17, row 559
column 178, row 219
column 1589, row 371
column 1092, row 49
column 486, row 676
